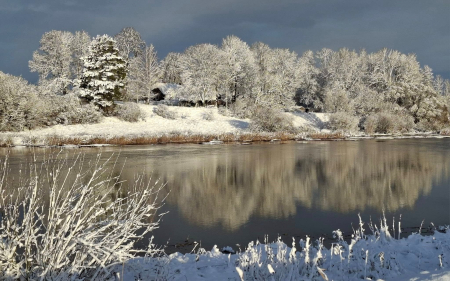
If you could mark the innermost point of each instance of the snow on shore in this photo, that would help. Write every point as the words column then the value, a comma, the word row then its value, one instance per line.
column 189, row 121
column 373, row 257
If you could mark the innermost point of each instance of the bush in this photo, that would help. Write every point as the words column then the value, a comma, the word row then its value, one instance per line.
column 388, row 123
column 208, row 115
column 20, row 106
column 242, row 108
column 163, row 111
column 343, row 121
column 72, row 230
column 130, row 112
column 269, row 120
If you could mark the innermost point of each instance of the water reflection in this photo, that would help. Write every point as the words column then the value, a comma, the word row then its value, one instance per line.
column 231, row 185
column 225, row 186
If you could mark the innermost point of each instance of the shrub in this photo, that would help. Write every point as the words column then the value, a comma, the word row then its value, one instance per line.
column 6, row 141
column 370, row 124
column 343, row 121
column 75, row 229
column 269, row 120
column 387, row 123
column 164, row 111
column 130, row 112
column 445, row 131
column 208, row 115
column 223, row 111
column 242, row 108
column 20, row 106
column 79, row 114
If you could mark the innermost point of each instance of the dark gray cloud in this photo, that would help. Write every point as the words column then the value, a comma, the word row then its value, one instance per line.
column 410, row 26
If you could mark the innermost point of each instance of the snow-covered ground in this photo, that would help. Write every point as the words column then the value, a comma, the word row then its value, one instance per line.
column 189, row 120
column 374, row 257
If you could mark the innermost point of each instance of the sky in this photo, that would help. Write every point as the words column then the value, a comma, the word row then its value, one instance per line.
column 410, row 26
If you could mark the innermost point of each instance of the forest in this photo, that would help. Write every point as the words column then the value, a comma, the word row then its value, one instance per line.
column 82, row 79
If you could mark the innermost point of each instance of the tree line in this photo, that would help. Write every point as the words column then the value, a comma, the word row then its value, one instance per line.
column 362, row 89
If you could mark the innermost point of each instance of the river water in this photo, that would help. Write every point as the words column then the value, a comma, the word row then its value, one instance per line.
column 234, row 194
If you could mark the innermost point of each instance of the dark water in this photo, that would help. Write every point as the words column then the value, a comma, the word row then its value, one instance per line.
column 233, row 194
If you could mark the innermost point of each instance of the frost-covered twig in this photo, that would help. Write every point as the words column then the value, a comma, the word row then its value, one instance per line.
column 63, row 221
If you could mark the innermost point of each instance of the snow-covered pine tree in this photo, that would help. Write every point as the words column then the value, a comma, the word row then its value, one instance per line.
column 104, row 72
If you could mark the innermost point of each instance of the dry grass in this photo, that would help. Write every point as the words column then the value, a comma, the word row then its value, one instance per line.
column 176, row 138
column 327, row 136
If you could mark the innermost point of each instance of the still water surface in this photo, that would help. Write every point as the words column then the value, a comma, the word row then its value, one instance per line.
column 233, row 194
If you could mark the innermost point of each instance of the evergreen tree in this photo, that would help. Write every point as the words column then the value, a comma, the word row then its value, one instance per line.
column 104, row 72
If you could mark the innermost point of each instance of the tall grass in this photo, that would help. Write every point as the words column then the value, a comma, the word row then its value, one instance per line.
column 60, row 223
column 175, row 137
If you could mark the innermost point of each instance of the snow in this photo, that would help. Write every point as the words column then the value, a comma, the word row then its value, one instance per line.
column 372, row 257
column 189, row 120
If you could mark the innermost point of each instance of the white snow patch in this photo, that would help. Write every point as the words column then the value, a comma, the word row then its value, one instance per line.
column 412, row 258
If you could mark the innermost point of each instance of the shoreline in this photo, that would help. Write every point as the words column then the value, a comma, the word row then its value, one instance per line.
column 207, row 139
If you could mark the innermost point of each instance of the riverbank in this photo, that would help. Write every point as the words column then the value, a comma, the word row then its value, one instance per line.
column 191, row 125
column 378, row 256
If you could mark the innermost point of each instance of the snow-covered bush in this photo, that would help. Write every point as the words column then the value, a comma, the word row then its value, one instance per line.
column 269, row 120
column 164, row 111
column 242, row 108
column 387, row 123
column 343, row 121
column 445, row 131
column 82, row 114
column 208, row 115
column 20, row 105
column 130, row 112
column 68, row 110
column 370, row 124
column 63, row 223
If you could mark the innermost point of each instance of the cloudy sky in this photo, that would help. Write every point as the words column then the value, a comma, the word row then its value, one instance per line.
column 410, row 26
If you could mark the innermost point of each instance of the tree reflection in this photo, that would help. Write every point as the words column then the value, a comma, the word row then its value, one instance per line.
column 227, row 185
column 270, row 181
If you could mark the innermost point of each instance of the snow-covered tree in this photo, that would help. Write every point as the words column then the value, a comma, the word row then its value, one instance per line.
column 144, row 72
column 438, row 85
column 20, row 106
column 129, row 42
column 278, row 75
column 53, row 60
column 171, row 68
column 240, row 68
column 308, row 92
column 201, row 72
column 104, row 72
column 80, row 48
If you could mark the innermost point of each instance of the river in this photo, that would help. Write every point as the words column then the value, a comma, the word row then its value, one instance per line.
column 234, row 194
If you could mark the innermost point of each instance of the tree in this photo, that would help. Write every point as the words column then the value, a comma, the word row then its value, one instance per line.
column 104, row 72
column 20, row 106
column 144, row 72
column 240, row 68
column 171, row 68
column 129, row 42
column 201, row 70
column 53, row 60
column 278, row 75
column 80, row 49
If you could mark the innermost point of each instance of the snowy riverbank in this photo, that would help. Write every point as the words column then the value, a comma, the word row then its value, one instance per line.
column 189, row 122
column 378, row 256
column 191, row 125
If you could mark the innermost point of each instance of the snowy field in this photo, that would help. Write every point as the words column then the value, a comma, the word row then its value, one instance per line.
column 189, row 120
column 378, row 256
